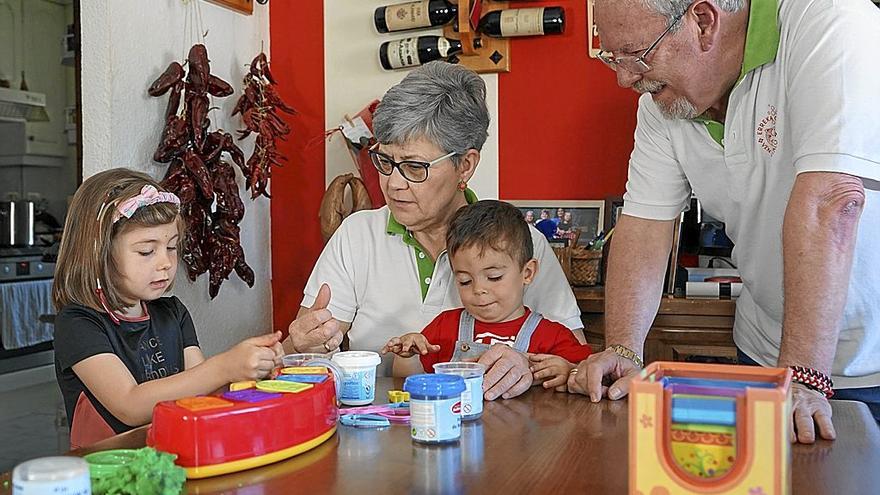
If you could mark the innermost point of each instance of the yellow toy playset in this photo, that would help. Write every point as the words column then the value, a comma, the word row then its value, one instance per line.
column 700, row 428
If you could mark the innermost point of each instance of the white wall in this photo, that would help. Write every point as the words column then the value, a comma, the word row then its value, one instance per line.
column 353, row 78
column 126, row 44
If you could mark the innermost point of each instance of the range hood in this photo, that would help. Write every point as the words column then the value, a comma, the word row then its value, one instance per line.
column 22, row 105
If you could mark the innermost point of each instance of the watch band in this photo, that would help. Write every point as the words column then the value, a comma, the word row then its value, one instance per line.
column 627, row 353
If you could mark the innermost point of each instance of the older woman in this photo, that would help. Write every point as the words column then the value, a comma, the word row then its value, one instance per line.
column 385, row 272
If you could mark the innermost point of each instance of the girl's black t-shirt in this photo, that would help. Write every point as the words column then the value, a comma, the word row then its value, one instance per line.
column 150, row 349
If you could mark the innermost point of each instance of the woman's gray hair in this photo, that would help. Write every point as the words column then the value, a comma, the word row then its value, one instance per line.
column 442, row 102
column 674, row 8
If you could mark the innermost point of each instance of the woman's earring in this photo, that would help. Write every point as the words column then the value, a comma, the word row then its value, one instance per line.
column 462, row 185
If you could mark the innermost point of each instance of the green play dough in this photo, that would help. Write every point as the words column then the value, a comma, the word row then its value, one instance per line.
column 143, row 471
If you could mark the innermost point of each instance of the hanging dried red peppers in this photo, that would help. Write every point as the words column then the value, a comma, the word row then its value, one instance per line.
column 198, row 174
column 259, row 105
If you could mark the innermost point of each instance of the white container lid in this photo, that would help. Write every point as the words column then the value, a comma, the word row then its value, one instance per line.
column 355, row 359
column 58, row 468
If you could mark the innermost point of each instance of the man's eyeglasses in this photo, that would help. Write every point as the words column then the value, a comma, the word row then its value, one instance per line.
column 411, row 170
column 637, row 64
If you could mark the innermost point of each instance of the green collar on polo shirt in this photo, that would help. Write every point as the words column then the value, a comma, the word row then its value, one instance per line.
column 424, row 262
column 762, row 43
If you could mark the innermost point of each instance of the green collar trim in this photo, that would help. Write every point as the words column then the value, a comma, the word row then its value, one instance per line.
column 762, row 44
column 762, row 37
column 424, row 262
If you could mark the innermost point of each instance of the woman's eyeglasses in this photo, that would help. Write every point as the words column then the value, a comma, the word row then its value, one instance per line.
column 411, row 170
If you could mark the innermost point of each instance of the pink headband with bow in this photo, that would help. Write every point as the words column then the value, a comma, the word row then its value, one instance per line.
column 149, row 196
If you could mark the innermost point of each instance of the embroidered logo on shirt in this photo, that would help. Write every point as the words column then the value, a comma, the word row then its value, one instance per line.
column 767, row 132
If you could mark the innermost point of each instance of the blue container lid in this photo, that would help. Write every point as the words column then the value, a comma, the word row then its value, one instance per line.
column 434, row 385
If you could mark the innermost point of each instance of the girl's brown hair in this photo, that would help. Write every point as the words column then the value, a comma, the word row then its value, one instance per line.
column 86, row 256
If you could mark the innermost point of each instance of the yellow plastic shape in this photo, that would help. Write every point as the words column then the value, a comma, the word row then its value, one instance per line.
column 304, row 370
column 282, row 386
column 242, row 385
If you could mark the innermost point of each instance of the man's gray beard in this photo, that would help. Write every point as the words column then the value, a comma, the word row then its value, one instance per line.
column 680, row 108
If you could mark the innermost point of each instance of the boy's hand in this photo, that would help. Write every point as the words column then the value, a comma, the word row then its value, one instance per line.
column 551, row 370
column 253, row 358
column 409, row 345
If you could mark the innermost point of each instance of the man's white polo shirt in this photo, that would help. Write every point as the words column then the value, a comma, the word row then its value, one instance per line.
column 808, row 101
column 376, row 277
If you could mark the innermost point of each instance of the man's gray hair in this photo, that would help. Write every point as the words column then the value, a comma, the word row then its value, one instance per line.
column 442, row 102
column 674, row 8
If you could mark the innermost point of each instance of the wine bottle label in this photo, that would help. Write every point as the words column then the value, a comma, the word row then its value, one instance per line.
column 522, row 22
column 404, row 53
column 408, row 15
column 443, row 46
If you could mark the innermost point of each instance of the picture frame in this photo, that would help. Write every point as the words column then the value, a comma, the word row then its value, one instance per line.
column 613, row 208
column 586, row 219
column 592, row 34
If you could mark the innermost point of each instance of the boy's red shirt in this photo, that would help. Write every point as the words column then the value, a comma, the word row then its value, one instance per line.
column 549, row 338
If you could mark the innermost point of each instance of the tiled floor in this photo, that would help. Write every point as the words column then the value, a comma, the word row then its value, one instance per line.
column 32, row 424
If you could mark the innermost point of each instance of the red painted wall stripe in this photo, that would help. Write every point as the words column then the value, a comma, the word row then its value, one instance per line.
column 297, row 57
column 565, row 128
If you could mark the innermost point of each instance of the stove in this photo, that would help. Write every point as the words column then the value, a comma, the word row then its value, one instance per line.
column 25, row 263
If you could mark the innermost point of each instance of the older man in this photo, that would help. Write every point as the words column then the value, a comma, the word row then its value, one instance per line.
column 766, row 110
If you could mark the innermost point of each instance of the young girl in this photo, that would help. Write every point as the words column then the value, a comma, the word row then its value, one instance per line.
column 120, row 347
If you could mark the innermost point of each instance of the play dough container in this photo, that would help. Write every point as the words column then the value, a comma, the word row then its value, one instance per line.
column 359, row 376
column 472, row 397
column 435, row 407
column 50, row 475
column 301, row 359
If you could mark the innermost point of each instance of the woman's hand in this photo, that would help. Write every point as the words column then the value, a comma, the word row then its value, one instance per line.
column 507, row 372
column 409, row 345
column 551, row 370
column 253, row 358
column 315, row 329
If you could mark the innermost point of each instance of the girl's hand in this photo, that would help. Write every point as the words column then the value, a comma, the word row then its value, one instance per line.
column 409, row 345
column 253, row 358
column 551, row 370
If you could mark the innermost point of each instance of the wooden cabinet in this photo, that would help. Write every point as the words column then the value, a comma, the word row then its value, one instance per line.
column 699, row 330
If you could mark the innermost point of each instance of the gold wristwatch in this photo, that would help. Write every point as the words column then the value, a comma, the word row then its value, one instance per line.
column 627, row 353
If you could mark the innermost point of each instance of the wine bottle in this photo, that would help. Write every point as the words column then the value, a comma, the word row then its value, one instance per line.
column 523, row 22
column 410, row 52
column 414, row 15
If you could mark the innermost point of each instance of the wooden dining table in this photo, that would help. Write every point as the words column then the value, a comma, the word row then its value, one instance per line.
column 540, row 442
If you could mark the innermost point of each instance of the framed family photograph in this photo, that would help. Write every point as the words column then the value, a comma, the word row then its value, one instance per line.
column 564, row 221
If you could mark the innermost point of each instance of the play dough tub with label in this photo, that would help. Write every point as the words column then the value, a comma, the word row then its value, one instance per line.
column 248, row 427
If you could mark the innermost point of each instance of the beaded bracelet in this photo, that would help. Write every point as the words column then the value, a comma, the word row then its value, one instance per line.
column 813, row 379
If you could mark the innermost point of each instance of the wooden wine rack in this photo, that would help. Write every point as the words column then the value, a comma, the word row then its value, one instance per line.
column 491, row 54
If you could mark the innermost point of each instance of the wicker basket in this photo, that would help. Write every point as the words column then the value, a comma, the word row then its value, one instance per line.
column 581, row 266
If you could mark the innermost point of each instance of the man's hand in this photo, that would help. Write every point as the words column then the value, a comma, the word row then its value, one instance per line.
column 409, row 345
column 507, row 372
column 588, row 379
column 315, row 329
column 551, row 370
column 810, row 409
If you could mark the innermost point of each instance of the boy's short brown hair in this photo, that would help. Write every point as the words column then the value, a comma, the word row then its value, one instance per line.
column 86, row 254
column 493, row 224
